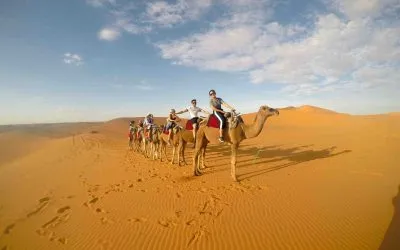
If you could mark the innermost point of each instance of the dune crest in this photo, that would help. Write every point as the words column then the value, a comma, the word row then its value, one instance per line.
column 310, row 181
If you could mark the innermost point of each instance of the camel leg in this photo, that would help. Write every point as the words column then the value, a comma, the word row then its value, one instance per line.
column 164, row 151
column 234, row 148
column 179, row 153
column 183, row 151
column 197, row 172
column 203, row 155
column 173, row 154
column 199, row 146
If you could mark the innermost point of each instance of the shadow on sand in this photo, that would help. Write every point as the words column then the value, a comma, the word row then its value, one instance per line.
column 391, row 240
column 271, row 154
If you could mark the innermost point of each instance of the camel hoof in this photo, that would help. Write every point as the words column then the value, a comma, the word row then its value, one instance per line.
column 198, row 173
column 234, row 178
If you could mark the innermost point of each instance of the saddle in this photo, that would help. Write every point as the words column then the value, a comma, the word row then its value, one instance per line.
column 189, row 123
column 232, row 119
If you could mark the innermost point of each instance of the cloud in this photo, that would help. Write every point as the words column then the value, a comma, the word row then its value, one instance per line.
column 74, row 59
column 333, row 51
column 101, row 3
column 355, row 9
column 143, row 85
column 109, row 34
column 163, row 13
column 143, row 17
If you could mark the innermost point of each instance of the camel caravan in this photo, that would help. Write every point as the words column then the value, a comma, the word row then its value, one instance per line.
column 218, row 127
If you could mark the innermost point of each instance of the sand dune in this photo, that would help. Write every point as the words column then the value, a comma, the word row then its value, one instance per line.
column 313, row 179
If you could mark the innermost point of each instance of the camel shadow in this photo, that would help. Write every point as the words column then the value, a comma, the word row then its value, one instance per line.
column 265, row 152
column 391, row 239
column 295, row 159
column 256, row 154
column 271, row 154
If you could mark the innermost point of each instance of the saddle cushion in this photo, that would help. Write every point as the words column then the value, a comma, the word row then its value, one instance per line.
column 213, row 122
column 189, row 125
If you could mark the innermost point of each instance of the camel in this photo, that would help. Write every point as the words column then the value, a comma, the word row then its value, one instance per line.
column 234, row 135
column 137, row 140
column 132, row 138
column 146, row 140
column 183, row 136
column 154, row 142
column 163, row 145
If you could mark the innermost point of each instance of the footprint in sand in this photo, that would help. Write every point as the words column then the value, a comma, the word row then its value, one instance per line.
column 91, row 202
column 47, row 228
column 100, row 210
column 141, row 219
column 43, row 203
column 63, row 209
column 190, row 222
column 105, row 220
column 167, row 222
column 196, row 236
column 8, row 229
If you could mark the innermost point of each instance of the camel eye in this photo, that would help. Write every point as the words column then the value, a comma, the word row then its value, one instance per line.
column 271, row 110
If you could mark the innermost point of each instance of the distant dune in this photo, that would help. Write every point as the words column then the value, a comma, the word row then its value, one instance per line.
column 312, row 179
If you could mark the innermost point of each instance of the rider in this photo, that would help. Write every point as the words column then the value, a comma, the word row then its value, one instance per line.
column 148, row 123
column 131, row 131
column 194, row 118
column 171, row 123
column 215, row 104
column 140, row 127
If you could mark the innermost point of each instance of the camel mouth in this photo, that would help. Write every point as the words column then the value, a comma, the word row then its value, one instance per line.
column 274, row 111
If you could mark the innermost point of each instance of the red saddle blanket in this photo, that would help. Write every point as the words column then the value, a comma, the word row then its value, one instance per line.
column 213, row 121
column 189, row 125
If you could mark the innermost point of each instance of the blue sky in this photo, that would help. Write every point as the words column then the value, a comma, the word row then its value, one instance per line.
column 89, row 60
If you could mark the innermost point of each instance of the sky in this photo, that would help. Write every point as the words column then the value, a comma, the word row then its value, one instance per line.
column 95, row 60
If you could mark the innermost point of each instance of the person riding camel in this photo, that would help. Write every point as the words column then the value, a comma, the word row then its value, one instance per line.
column 147, row 124
column 171, row 123
column 194, row 118
column 140, row 127
column 216, row 104
column 131, row 132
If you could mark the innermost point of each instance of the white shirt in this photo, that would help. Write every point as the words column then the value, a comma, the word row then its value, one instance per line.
column 193, row 111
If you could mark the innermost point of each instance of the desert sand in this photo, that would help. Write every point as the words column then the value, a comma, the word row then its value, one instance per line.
column 313, row 179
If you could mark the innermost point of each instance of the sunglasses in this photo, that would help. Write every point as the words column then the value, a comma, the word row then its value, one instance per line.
column 212, row 94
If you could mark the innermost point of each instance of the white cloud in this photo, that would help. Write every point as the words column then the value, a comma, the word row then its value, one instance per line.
column 109, row 34
column 331, row 53
column 355, row 9
column 163, row 13
column 101, row 3
column 74, row 59
column 159, row 14
column 143, row 85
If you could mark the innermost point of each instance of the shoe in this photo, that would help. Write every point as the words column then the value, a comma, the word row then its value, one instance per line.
column 221, row 139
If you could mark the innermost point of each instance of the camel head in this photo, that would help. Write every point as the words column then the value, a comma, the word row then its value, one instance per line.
column 267, row 111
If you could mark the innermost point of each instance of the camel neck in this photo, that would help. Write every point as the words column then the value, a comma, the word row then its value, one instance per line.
column 253, row 130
